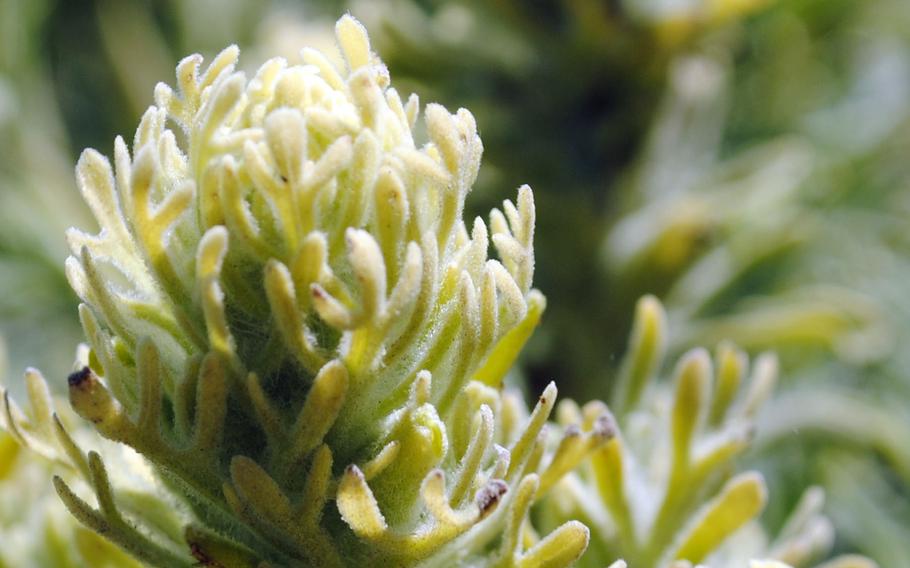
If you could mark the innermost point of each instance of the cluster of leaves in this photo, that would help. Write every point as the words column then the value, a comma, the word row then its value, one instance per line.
column 300, row 275
column 669, row 492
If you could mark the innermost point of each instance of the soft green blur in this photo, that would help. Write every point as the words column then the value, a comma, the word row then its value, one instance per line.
column 747, row 162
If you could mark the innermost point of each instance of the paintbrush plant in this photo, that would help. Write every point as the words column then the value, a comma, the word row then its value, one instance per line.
column 290, row 322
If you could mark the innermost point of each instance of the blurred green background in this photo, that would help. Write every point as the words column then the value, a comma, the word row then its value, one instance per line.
column 747, row 161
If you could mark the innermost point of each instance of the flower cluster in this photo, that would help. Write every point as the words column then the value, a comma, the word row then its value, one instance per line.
column 289, row 320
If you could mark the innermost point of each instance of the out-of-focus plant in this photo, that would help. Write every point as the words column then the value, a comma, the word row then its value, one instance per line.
column 665, row 488
column 288, row 311
column 35, row 528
